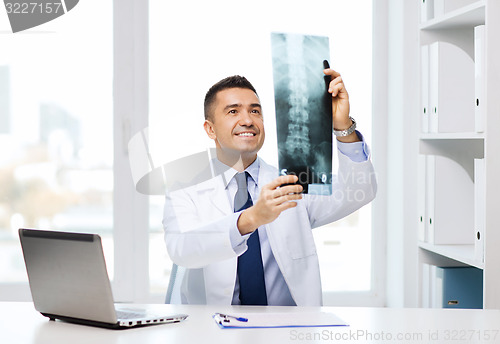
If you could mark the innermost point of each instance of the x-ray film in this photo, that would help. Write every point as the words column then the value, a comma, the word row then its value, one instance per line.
column 303, row 109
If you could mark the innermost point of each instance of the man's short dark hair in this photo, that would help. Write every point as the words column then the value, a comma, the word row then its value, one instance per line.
column 234, row 81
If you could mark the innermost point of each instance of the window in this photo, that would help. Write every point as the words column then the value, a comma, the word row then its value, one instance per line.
column 67, row 155
column 194, row 44
column 56, row 133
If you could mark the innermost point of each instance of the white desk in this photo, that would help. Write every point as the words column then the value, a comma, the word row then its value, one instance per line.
column 20, row 323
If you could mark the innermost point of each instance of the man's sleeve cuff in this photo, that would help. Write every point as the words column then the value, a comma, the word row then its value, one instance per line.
column 356, row 151
column 238, row 241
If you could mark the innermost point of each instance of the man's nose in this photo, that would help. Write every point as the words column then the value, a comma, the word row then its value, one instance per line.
column 246, row 118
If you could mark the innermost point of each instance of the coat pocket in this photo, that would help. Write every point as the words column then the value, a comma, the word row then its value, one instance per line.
column 294, row 226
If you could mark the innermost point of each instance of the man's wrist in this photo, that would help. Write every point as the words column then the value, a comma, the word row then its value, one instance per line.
column 343, row 129
column 342, row 124
column 246, row 223
column 346, row 132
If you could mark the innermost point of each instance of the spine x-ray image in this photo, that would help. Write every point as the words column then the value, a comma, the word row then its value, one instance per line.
column 303, row 109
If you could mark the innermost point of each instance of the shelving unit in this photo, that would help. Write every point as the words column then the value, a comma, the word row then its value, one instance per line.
column 449, row 255
column 467, row 16
column 457, row 28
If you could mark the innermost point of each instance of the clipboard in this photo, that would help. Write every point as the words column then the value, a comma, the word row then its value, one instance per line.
column 278, row 320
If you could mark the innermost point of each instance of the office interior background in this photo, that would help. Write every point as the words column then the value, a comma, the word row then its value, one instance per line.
column 74, row 92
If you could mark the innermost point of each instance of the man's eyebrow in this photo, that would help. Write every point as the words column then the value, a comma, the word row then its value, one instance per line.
column 230, row 106
column 238, row 105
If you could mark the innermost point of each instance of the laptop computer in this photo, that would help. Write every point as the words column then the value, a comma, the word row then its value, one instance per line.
column 69, row 281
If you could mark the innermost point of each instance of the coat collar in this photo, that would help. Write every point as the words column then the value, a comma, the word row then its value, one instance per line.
column 261, row 172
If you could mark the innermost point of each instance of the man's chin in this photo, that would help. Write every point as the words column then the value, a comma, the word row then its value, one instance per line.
column 239, row 154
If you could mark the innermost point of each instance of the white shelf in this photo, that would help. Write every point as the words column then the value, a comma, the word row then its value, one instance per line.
column 460, row 147
column 468, row 16
column 459, row 253
column 452, row 136
column 464, row 149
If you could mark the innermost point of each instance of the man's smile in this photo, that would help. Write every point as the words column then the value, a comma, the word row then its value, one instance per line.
column 246, row 134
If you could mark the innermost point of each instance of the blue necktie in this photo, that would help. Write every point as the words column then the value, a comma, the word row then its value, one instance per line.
column 250, row 267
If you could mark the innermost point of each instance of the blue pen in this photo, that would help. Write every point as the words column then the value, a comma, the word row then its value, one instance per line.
column 226, row 316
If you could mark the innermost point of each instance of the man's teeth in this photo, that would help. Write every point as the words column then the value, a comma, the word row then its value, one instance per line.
column 246, row 134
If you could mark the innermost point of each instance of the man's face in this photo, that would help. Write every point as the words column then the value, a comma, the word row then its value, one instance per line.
column 237, row 125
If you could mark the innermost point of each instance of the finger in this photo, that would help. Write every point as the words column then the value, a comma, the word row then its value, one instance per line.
column 337, row 80
column 277, row 202
column 286, row 205
column 289, row 189
column 331, row 72
column 289, row 179
column 337, row 90
column 281, row 204
column 335, row 83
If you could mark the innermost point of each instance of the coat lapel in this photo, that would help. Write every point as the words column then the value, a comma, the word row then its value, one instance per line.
column 267, row 173
column 214, row 192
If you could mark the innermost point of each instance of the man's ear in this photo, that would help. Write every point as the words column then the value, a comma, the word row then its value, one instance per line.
column 209, row 129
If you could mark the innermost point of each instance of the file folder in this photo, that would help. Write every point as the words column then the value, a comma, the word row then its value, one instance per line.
column 479, row 76
column 421, row 197
column 442, row 7
column 276, row 320
column 450, row 202
column 459, row 287
column 424, row 82
column 426, row 10
column 479, row 209
column 451, row 89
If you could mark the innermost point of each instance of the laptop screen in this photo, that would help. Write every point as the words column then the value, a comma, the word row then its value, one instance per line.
column 67, row 274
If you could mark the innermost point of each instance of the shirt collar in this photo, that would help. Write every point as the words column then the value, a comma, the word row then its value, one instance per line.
column 228, row 173
column 253, row 170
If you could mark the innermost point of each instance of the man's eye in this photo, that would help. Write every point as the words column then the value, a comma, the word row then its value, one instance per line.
column 233, row 111
column 256, row 111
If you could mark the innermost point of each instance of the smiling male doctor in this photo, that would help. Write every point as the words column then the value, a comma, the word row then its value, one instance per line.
column 210, row 238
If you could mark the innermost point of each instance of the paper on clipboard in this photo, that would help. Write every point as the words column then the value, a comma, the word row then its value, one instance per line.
column 274, row 320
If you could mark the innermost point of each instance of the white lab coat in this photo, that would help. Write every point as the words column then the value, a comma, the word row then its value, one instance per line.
column 197, row 221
